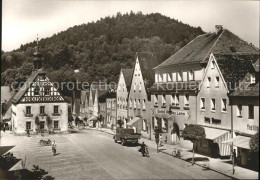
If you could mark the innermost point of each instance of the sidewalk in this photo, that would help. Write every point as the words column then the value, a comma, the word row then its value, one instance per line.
column 214, row 164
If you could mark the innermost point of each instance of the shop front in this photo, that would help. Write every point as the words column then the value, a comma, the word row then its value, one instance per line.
column 213, row 145
column 170, row 125
column 243, row 149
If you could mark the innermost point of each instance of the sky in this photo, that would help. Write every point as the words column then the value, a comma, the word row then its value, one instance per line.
column 22, row 20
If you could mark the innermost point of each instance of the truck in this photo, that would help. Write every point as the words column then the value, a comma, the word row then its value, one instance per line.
column 126, row 135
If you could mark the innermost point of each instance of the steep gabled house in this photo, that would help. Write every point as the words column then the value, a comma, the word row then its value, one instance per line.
column 222, row 75
column 139, row 110
column 174, row 94
column 244, row 101
column 123, row 88
column 39, row 98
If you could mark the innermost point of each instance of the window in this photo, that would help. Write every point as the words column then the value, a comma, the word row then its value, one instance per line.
column 164, row 77
column 186, row 100
column 46, row 91
column 213, row 104
column 191, row 75
column 56, row 109
column 28, row 109
column 139, row 104
column 42, row 109
column 28, row 125
column 177, row 99
column 179, row 76
column 56, row 124
column 144, row 125
column 239, row 110
column 212, row 64
column 144, row 104
column 134, row 86
column 209, row 82
column 42, row 124
column 37, row 90
column 155, row 99
column 159, row 78
column 140, row 86
column 169, row 78
column 202, row 103
column 156, row 78
column 217, row 82
column 252, row 78
column 164, row 100
column 250, row 111
column 134, row 103
column 173, row 99
column 224, row 105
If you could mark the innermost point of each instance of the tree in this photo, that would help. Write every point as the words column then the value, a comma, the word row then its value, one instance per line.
column 193, row 133
column 254, row 143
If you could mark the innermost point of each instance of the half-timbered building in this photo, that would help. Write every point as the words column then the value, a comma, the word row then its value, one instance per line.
column 38, row 105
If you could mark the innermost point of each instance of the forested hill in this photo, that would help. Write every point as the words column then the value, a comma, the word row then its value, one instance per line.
column 99, row 49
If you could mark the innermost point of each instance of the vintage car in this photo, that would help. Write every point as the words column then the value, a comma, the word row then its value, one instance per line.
column 126, row 136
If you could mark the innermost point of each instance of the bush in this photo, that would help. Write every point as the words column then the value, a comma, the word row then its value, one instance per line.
column 254, row 143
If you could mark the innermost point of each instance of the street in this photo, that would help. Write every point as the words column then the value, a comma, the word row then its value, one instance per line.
column 94, row 155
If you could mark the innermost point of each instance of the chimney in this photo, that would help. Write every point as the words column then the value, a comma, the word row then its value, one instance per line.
column 218, row 28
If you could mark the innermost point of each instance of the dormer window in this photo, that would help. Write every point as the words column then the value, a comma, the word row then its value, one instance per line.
column 252, row 78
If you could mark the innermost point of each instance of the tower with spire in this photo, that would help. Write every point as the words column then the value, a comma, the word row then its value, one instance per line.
column 37, row 60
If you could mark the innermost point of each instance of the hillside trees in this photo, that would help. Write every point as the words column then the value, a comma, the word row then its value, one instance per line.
column 100, row 48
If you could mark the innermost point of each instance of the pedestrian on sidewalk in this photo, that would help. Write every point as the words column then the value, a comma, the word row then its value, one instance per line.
column 160, row 137
column 53, row 147
column 235, row 157
column 4, row 129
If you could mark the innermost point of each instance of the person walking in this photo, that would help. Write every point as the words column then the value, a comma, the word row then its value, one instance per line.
column 54, row 147
column 161, row 140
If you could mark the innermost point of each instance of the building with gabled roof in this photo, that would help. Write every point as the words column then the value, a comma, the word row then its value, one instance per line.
column 123, row 88
column 37, row 101
column 223, row 74
column 244, row 101
column 177, row 80
column 139, row 111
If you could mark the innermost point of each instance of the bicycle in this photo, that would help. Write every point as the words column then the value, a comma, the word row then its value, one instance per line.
column 176, row 152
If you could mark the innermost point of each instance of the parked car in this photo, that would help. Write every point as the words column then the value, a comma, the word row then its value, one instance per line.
column 125, row 135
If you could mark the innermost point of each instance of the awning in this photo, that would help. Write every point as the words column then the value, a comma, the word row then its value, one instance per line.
column 239, row 141
column 133, row 121
column 212, row 133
